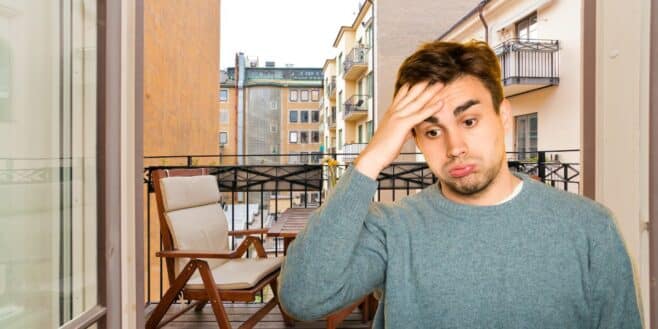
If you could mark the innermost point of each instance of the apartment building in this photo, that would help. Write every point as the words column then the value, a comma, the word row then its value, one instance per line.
column 539, row 45
column 368, row 53
column 275, row 110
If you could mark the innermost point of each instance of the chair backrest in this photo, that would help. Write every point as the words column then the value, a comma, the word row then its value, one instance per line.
column 191, row 217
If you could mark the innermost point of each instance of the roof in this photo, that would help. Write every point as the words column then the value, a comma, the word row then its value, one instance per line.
column 359, row 17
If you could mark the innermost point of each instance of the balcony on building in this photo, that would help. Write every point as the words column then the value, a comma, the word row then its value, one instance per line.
column 331, row 120
column 351, row 151
column 356, row 63
column 356, row 108
column 528, row 65
column 331, row 88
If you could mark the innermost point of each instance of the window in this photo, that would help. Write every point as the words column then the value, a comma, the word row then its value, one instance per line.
column 292, row 138
column 360, row 136
column 340, row 63
column 303, row 116
column 315, row 95
column 340, row 101
column 293, row 116
column 223, row 95
column 304, row 95
column 315, row 116
column 526, row 136
column 527, row 27
column 223, row 116
column 369, row 131
column 371, row 85
column 315, row 137
column 274, row 105
column 303, row 137
column 292, row 95
column 223, row 138
column 303, row 157
column 340, row 138
column 273, row 128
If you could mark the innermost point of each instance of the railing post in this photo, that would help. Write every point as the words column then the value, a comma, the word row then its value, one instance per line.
column 541, row 166
column 189, row 161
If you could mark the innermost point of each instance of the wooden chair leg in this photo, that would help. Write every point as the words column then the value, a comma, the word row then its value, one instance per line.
column 334, row 319
column 199, row 307
column 213, row 295
column 286, row 318
column 170, row 295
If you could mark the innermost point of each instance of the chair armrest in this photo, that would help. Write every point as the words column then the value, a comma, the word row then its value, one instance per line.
column 248, row 232
column 237, row 253
column 196, row 254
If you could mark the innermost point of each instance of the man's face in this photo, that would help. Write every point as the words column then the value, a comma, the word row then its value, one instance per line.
column 464, row 143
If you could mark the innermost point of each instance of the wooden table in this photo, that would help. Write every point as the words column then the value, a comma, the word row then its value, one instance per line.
column 289, row 224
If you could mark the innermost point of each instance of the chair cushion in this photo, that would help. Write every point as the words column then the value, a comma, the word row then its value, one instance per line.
column 185, row 192
column 242, row 273
column 200, row 228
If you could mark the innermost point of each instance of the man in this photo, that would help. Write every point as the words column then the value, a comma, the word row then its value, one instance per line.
column 483, row 248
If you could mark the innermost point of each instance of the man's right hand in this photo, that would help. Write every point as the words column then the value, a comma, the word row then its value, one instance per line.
column 410, row 107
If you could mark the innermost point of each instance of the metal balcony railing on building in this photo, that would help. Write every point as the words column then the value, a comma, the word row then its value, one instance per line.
column 355, row 63
column 351, row 151
column 356, row 108
column 528, row 64
column 332, row 118
column 331, row 88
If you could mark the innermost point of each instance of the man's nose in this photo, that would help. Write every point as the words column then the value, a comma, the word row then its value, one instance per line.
column 456, row 145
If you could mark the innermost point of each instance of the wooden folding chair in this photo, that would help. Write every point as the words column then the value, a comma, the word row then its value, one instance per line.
column 195, row 235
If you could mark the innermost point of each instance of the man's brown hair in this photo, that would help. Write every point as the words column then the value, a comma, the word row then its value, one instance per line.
column 444, row 62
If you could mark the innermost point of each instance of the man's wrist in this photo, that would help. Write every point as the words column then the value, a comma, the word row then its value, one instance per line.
column 366, row 168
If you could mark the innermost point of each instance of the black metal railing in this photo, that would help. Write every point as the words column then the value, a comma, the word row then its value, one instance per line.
column 532, row 61
column 356, row 104
column 357, row 56
column 255, row 195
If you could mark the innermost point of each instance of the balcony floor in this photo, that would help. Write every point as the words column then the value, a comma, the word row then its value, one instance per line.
column 239, row 312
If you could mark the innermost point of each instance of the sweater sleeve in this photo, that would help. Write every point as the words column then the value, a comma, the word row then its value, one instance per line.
column 340, row 256
column 615, row 302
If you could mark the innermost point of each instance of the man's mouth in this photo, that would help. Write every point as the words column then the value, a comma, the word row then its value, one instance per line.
column 461, row 171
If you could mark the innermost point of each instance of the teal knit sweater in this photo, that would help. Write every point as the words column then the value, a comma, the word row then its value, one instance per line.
column 544, row 259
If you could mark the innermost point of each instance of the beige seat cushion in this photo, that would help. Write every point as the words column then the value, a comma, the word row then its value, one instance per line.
column 240, row 273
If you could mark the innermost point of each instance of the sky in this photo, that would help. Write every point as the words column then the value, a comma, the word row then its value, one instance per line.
column 298, row 32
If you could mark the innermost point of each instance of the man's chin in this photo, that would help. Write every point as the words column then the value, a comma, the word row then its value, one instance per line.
column 466, row 186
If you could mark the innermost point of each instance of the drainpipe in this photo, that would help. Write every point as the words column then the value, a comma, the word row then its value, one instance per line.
column 484, row 22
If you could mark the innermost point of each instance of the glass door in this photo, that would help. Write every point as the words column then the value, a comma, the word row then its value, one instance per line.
column 48, row 187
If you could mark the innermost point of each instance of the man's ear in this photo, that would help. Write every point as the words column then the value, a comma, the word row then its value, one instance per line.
column 505, row 112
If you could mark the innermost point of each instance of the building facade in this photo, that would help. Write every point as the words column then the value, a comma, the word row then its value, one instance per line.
column 181, row 75
column 539, row 45
column 274, row 116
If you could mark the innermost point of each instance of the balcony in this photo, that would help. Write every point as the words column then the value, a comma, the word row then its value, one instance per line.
column 528, row 65
column 351, row 151
column 331, row 88
column 356, row 108
column 356, row 63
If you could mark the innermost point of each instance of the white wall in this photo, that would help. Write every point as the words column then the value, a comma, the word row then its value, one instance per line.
column 622, row 110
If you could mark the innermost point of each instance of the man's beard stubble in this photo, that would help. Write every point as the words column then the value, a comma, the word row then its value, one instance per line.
column 474, row 183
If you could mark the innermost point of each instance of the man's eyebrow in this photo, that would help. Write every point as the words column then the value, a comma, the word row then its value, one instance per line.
column 457, row 111
column 461, row 108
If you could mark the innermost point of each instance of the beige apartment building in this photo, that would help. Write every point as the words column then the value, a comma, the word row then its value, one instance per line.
column 539, row 45
column 368, row 54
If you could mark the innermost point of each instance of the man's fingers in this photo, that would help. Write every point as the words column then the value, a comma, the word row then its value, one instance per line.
column 426, row 112
column 429, row 96
column 413, row 93
column 400, row 95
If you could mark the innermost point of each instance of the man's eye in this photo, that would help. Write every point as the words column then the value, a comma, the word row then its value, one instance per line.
column 433, row 133
column 470, row 122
